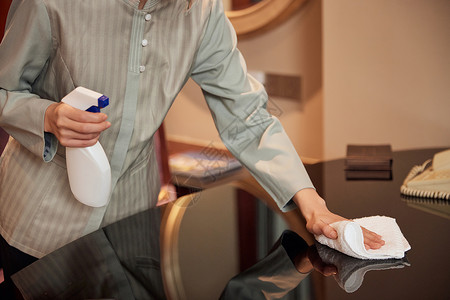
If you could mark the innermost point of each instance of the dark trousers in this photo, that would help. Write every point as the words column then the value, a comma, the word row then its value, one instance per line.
column 12, row 261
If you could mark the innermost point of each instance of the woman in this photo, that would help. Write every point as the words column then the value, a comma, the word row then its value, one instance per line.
column 140, row 54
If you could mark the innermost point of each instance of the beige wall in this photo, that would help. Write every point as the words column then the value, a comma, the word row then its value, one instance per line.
column 293, row 48
column 385, row 66
column 386, row 73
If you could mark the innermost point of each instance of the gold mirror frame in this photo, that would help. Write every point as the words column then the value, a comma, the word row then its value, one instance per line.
column 262, row 16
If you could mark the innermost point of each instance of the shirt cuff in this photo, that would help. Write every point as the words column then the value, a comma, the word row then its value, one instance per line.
column 50, row 146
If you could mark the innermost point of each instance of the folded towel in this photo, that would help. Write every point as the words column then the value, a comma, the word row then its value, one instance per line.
column 351, row 271
column 350, row 239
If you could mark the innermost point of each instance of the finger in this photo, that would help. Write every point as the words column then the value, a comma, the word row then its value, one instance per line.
column 67, row 125
column 373, row 244
column 72, row 143
column 89, row 128
column 81, row 121
column 67, row 134
column 320, row 227
column 371, row 239
column 371, row 233
column 74, row 139
column 66, row 111
column 329, row 231
column 79, row 143
column 88, row 117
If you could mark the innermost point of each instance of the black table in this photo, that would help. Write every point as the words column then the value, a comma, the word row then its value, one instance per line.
column 202, row 246
column 424, row 223
column 208, row 245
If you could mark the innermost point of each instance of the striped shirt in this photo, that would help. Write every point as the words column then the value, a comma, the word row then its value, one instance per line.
column 141, row 59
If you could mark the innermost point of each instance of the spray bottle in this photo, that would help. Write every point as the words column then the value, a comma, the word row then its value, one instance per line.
column 88, row 168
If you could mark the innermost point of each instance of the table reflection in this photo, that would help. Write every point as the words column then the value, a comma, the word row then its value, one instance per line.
column 120, row 261
column 433, row 206
column 208, row 245
column 290, row 262
column 273, row 277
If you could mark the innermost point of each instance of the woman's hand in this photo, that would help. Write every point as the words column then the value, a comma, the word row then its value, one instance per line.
column 318, row 218
column 74, row 127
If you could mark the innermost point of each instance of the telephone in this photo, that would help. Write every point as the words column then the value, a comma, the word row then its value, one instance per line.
column 431, row 179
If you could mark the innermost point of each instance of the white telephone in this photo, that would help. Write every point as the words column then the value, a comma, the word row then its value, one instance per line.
column 431, row 179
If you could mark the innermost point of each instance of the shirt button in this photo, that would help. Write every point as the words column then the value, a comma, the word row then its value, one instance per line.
column 144, row 43
column 148, row 17
column 141, row 69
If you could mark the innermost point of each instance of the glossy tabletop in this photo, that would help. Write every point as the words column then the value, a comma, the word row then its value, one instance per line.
column 208, row 248
column 424, row 223
column 203, row 243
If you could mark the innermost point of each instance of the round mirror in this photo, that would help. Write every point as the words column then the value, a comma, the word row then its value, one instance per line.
column 249, row 16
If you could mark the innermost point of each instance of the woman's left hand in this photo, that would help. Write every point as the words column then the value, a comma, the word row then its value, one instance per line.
column 318, row 218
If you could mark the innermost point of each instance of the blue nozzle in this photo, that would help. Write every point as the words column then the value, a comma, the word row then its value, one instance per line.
column 103, row 101
column 94, row 109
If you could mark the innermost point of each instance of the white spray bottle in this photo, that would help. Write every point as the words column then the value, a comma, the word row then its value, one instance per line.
column 88, row 168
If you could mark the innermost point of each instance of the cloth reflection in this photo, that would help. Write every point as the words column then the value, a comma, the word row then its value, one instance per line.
column 351, row 271
column 120, row 261
column 291, row 260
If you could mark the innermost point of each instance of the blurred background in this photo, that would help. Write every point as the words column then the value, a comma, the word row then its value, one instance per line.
column 375, row 71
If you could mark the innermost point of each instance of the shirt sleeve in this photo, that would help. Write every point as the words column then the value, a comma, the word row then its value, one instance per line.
column 238, row 106
column 24, row 53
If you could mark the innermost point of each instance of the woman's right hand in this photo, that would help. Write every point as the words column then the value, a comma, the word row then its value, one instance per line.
column 73, row 127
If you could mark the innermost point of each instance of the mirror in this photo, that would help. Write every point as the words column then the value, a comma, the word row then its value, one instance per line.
column 256, row 16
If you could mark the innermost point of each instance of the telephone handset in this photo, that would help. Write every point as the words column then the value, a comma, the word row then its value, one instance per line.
column 431, row 179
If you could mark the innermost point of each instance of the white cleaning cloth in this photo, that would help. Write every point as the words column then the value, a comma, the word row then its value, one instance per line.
column 350, row 238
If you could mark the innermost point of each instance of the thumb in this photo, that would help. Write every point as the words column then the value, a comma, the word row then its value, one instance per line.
column 320, row 227
column 330, row 232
